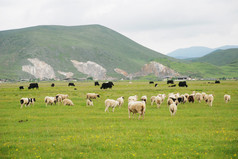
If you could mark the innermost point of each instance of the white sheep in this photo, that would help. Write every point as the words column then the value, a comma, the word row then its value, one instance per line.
column 132, row 98
column 50, row 100
column 89, row 102
column 92, row 96
column 152, row 100
column 61, row 97
column 199, row 97
column 209, row 99
column 158, row 101
column 136, row 107
column 68, row 102
column 27, row 101
column 144, row 98
column 110, row 103
column 227, row 98
column 173, row 108
column 121, row 101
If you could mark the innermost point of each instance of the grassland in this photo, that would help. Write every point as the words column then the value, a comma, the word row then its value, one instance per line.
column 196, row 131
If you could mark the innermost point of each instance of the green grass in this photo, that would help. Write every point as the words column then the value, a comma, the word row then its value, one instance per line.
column 196, row 131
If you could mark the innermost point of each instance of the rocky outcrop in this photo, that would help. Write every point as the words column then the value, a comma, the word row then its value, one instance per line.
column 90, row 68
column 66, row 74
column 155, row 68
column 39, row 69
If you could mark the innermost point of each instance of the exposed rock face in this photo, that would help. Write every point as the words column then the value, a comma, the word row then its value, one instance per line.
column 40, row 69
column 66, row 74
column 155, row 68
column 91, row 69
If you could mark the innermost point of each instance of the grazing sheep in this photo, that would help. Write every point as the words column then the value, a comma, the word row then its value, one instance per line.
column 199, row 97
column 92, row 96
column 61, row 97
column 110, row 103
column 136, row 107
column 144, row 98
column 170, row 101
column 209, row 99
column 68, row 102
column 158, row 101
column 227, row 98
column 132, row 98
column 173, row 109
column 186, row 95
column 191, row 98
column 27, row 101
column 152, row 100
column 89, row 102
column 121, row 101
column 50, row 100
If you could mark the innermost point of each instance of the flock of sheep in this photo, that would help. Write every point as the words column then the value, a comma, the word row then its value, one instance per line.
column 134, row 106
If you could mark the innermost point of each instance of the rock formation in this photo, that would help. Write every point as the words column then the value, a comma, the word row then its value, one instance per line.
column 66, row 74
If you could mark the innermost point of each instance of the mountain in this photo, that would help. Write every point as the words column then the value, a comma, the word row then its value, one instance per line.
column 196, row 51
column 220, row 57
column 70, row 51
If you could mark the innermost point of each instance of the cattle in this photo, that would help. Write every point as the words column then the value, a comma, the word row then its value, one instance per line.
column 170, row 82
column 21, row 87
column 183, row 84
column 217, row 82
column 151, row 82
column 33, row 85
column 156, row 85
column 107, row 85
column 96, row 83
column 71, row 84
column 52, row 85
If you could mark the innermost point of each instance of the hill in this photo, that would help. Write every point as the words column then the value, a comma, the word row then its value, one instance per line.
column 220, row 57
column 196, row 51
column 57, row 46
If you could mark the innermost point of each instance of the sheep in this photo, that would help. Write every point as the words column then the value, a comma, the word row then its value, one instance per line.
column 199, row 97
column 186, row 95
column 152, row 100
column 68, row 102
column 191, row 98
column 144, row 98
column 89, row 102
column 27, row 101
column 173, row 108
column 227, row 98
column 162, row 96
column 169, row 101
column 92, row 96
column 209, row 99
column 136, row 107
column 121, row 101
column 158, row 101
column 50, row 100
column 203, row 94
column 61, row 97
column 132, row 98
column 111, row 103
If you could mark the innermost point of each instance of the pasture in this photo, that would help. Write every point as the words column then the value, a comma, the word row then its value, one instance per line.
column 80, row 131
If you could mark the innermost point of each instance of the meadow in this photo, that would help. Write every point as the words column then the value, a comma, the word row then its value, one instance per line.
column 80, row 131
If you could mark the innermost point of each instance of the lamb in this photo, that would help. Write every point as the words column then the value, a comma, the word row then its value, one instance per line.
column 89, row 102
column 132, row 98
column 173, row 109
column 68, row 102
column 121, row 101
column 227, row 98
column 110, row 103
column 92, row 96
column 27, row 101
column 144, row 98
column 50, row 100
column 136, row 107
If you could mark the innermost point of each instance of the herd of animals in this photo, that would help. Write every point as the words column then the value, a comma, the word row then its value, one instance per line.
column 135, row 105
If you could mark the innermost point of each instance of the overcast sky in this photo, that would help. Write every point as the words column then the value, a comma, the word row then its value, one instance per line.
column 161, row 25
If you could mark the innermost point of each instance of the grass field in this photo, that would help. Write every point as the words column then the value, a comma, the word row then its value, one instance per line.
column 196, row 131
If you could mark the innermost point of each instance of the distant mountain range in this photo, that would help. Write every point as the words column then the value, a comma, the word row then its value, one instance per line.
column 196, row 51
column 95, row 51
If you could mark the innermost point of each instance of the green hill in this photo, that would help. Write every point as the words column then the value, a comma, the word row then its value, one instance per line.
column 57, row 45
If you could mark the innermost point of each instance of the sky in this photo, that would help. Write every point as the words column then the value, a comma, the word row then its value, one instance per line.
column 161, row 25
